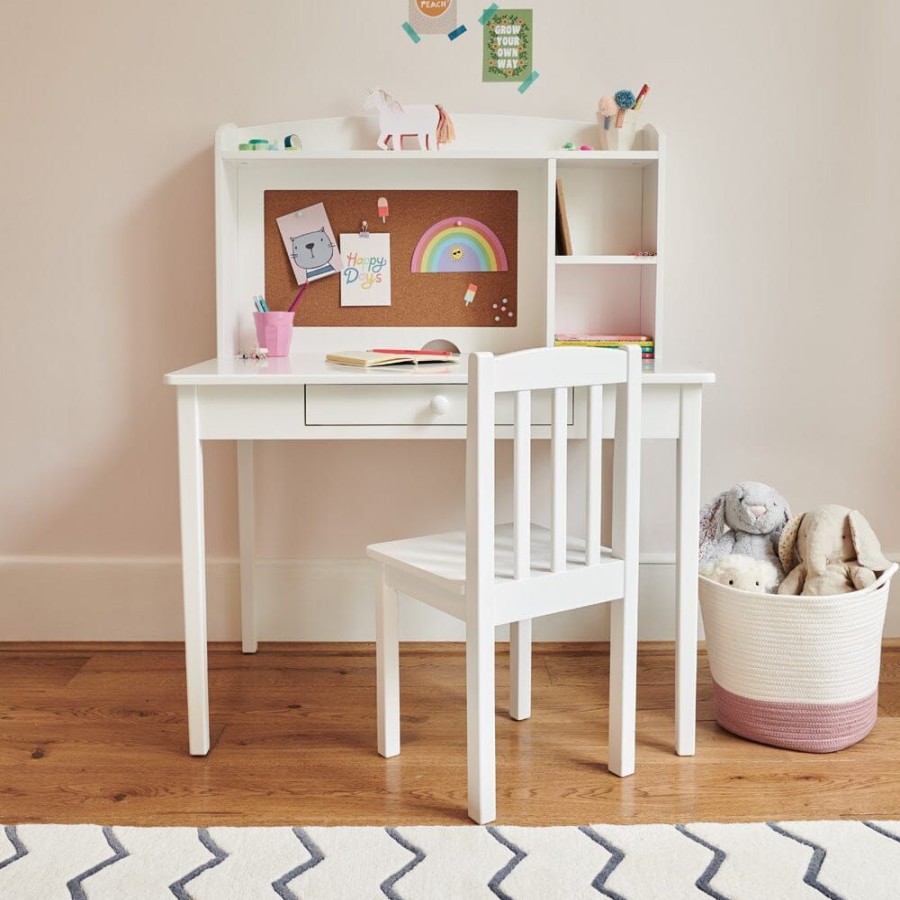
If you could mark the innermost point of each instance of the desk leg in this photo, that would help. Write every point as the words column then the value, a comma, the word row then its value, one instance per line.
column 193, row 562
column 247, row 539
column 688, row 514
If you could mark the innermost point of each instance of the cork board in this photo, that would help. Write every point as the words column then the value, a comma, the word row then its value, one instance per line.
column 417, row 298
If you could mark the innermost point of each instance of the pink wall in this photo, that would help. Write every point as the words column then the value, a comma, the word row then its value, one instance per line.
column 783, row 267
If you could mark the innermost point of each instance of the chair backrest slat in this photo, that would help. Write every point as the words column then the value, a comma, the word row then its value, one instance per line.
column 557, row 370
column 480, row 407
column 627, row 472
column 558, row 465
column 522, row 486
column 594, row 465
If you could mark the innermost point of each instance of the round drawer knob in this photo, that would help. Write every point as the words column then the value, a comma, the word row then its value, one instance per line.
column 440, row 405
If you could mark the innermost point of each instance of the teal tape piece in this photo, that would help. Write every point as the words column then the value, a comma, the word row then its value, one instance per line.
column 413, row 34
column 259, row 141
column 488, row 13
column 529, row 81
column 457, row 32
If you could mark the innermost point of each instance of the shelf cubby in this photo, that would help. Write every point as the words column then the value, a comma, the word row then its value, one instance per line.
column 614, row 209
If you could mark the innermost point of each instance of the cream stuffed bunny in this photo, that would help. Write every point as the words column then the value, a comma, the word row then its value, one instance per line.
column 829, row 550
column 743, row 573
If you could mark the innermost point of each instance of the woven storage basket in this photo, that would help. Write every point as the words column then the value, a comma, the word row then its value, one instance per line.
column 795, row 672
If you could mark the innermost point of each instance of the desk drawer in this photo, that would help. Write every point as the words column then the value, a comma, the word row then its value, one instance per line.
column 408, row 404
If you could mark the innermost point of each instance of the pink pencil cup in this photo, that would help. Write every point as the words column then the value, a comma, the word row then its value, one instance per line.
column 274, row 331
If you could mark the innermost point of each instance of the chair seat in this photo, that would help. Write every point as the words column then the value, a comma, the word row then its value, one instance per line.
column 441, row 558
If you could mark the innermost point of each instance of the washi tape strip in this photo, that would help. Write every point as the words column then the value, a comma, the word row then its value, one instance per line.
column 457, row 32
column 413, row 34
column 488, row 13
column 529, row 81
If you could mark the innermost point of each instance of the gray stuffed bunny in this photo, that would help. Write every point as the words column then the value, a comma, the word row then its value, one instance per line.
column 755, row 515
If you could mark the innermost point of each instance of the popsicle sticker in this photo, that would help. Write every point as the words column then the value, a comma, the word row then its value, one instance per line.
column 383, row 208
column 470, row 294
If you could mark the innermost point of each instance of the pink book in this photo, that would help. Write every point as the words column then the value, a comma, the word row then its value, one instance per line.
column 603, row 337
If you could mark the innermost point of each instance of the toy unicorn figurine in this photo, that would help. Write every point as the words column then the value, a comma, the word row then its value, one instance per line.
column 430, row 124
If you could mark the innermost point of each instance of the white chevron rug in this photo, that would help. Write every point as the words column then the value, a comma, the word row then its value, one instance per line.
column 764, row 861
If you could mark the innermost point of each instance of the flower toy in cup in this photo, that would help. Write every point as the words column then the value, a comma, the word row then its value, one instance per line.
column 608, row 109
column 625, row 100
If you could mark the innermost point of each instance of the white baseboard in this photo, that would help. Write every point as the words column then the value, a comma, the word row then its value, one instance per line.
column 62, row 599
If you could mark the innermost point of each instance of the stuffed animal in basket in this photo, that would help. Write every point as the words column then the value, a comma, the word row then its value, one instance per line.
column 829, row 550
column 743, row 573
column 754, row 514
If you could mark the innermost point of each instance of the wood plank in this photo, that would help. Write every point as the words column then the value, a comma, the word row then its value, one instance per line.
column 98, row 733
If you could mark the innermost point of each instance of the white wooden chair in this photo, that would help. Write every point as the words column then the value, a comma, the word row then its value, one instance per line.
column 491, row 575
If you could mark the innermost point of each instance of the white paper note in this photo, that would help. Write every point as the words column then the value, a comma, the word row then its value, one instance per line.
column 365, row 270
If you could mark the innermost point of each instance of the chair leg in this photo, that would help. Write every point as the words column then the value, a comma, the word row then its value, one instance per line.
column 622, row 685
column 520, row 670
column 387, row 666
column 481, row 750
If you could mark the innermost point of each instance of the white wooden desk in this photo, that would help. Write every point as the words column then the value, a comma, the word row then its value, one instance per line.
column 302, row 397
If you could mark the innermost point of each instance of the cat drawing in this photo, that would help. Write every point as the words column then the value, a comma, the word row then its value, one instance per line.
column 313, row 252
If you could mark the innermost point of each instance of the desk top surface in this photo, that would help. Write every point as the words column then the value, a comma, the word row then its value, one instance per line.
column 311, row 368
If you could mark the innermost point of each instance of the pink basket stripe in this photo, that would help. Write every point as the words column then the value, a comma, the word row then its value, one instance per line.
column 813, row 728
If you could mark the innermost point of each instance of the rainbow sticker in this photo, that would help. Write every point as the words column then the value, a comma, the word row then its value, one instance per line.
column 459, row 245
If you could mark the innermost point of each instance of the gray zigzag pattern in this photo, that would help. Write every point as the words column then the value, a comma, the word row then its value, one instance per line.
column 76, row 891
column 876, row 827
column 387, row 886
column 615, row 857
column 21, row 850
column 315, row 857
column 518, row 855
column 815, row 864
column 719, row 855
column 178, row 887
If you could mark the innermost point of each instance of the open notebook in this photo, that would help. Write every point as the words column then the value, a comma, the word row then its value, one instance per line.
column 368, row 358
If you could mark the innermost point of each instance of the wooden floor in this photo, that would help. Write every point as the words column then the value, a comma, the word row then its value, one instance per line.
column 97, row 733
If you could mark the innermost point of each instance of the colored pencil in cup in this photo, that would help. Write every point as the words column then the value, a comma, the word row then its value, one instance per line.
column 300, row 293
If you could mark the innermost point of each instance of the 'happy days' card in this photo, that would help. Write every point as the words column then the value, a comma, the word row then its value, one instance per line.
column 365, row 270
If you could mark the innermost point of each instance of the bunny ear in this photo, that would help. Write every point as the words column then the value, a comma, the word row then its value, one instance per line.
column 786, row 518
column 868, row 550
column 788, row 542
column 712, row 524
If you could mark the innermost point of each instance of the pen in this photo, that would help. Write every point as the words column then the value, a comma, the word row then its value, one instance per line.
column 416, row 352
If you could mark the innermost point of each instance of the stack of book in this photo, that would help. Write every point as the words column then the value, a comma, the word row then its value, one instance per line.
column 608, row 340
